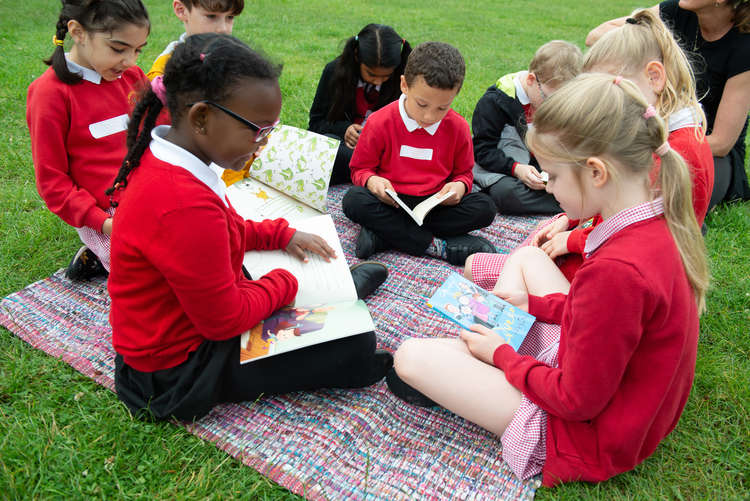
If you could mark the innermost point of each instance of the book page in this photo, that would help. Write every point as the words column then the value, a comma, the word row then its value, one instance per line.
column 319, row 281
column 293, row 328
column 256, row 201
column 299, row 163
column 420, row 211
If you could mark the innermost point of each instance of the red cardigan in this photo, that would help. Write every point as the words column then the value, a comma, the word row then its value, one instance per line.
column 73, row 167
column 626, row 357
column 176, row 276
column 379, row 153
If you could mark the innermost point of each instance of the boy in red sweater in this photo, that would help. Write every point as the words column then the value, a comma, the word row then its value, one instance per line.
column 418, row 146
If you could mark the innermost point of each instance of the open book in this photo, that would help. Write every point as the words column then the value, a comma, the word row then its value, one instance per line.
column 465, row 303
column 419, row 212
column 289, row 178
column 325, row 308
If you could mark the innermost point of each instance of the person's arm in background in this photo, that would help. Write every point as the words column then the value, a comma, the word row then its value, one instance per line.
column 603, row 28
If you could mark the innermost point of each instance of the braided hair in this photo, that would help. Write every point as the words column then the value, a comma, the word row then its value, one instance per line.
column 376, row 46
column 207, row 66
column 95, row 16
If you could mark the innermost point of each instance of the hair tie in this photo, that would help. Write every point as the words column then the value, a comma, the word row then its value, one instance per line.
column 202, row 57
column 663, row 149
column 617, row 80
column 403, row 41
column 157, row 86
column 631, row 20
column 57, row 41
column 356, row 38
column 650, row 112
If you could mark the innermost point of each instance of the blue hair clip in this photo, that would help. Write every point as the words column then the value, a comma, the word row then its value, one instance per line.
column 356, row 38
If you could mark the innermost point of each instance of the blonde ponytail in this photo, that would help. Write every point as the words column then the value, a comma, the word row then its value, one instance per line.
column 644, row 38
column 596, row 115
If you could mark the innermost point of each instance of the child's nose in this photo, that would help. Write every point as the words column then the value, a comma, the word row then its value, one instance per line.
column 131, row 58
column 225, row 28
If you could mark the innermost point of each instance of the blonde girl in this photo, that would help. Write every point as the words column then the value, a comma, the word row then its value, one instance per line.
column 593, row 397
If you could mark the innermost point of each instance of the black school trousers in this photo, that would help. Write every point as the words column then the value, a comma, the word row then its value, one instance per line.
column 212, row 374
column 399, row 231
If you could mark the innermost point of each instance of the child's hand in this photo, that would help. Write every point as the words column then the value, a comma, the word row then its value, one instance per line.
column 458, row 188
column 302, row 242
column 377, row 186
column 529, row 176
column 351, row 136
column 482, row 342
column 557, row 245
column 559, row 225
column 107, row 226
column 519, row 299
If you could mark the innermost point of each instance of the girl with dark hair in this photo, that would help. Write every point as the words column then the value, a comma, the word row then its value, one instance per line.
column 77, row 115
column 180, row 300
column 364, row 78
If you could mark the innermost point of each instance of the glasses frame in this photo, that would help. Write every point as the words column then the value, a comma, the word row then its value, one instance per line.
column 541, row 92
column 260, row 132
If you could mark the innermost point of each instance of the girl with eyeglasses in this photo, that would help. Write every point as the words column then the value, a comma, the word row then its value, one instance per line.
column 180, row 300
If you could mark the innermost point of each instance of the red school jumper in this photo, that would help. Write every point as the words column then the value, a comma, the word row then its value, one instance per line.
column 629, row 336
column 176, row 279
column 387, row 149
column 78, row 141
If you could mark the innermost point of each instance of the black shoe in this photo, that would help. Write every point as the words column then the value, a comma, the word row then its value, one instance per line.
column 368, row 243
column 457, row 249
column 405, row 392
column 367, row 276
column 85, row 265
column 382, row 362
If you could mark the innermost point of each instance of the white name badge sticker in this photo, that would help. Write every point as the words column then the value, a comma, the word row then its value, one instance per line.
column 416, row 153
column 109, row 126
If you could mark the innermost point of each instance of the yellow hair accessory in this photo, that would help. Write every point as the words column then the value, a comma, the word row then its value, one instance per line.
column 56, row 41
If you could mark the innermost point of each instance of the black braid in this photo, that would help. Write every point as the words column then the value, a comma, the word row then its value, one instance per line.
column 205, row 66
column 94, row 16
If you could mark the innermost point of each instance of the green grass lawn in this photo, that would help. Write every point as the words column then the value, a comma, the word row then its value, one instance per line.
column 61, row 435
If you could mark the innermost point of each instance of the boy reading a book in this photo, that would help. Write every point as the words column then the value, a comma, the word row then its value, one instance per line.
column 418, row 147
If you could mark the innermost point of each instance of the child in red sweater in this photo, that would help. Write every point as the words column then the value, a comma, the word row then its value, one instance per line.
column 644, row 51
column 77, row 113
column 594, row 396
column 418, row 146
column 180, row 300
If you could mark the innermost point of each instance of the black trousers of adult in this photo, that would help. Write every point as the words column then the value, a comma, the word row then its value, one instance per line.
column 511, row 196
column 341, row 173
column 398, row 229
column 213, row 374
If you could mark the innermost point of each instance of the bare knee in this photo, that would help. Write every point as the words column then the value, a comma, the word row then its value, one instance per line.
column 467, row 267
column 408, row 358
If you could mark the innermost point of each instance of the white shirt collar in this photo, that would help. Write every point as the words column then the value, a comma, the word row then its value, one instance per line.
column 166, row 151
column 604, row 230
column 362, row 83
column 683, row 118
column 412, row 125
column 86, row 73
column 523, row 98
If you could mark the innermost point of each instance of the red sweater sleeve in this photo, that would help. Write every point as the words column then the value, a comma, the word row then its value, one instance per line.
column 269, row 234
column 193, row 252
column 463, row 162
column 548, row 308
column 367, row 155
column 48, row 119
column 602, row 330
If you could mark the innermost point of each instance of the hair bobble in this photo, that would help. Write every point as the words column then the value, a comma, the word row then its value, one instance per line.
column 663, row 149
column 356, row 38
column 202, row 57
column 157, row 86
column 617, row 80
column 631, row 20
column 650, row 112
column 57, row 41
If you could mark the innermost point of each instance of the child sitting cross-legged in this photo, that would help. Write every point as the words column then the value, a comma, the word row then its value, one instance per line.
column 418, row 146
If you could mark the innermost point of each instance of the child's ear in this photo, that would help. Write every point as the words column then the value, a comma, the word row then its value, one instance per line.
column 657, row 76
column 598, row 171
column 180, row 10
column 76, row 31
column 197, row 117
column 404, row 86
column 530, row 79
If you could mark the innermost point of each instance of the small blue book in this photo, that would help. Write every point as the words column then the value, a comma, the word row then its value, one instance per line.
column 465, row 303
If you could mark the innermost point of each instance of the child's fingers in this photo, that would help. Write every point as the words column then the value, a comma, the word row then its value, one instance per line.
column 297, row 251
column 481, row 330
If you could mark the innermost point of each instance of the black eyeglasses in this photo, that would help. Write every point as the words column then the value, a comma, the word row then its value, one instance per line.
column 260, row 132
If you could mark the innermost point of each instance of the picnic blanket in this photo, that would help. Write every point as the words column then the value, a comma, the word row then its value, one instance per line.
column 328, row 444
